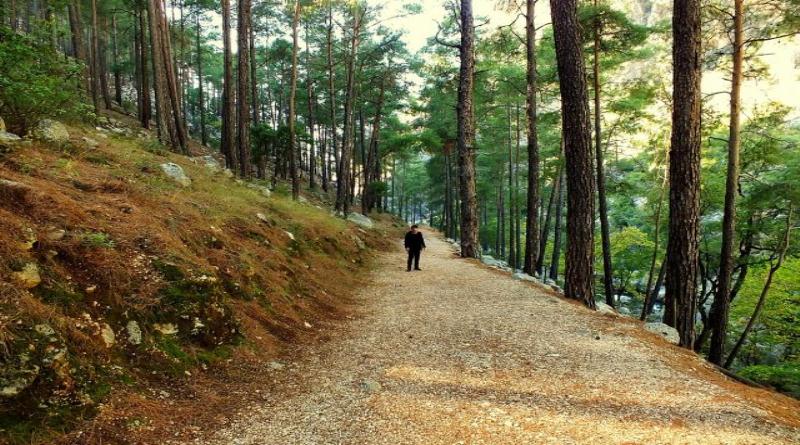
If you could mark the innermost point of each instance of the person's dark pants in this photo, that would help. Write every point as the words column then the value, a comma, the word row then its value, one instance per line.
column 413, row 255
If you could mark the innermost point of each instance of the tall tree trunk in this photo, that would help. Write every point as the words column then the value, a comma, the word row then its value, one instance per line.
column 608, row 277
column 292, row 107
column 95, row 64
column 684, row 168
column 243, row 93
column 159, row 83
column 372, row 168
column 312, row 161
column 332, row 93
column 102, row 63
column 145, row 109
column 228, row 120
column 647, row 293
column 533, row 253
column 517, row 221
column 545, row 233
column 556, row 257
column 344, row 175
column 579, row 274
column 254, row 99
column 179, row 139
column 12, row 15
column 512, row 251
column 765, row 290
column 466, row 135
column 117, row 71
column 79, row 49
column 721, row 305
column 200, row 82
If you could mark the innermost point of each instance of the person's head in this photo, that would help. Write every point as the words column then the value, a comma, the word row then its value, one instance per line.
column 414, row 228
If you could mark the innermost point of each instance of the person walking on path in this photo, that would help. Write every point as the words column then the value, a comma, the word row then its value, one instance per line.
column 414, row 244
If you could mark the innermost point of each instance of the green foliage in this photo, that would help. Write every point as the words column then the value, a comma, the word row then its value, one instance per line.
column 97, row 240
column 631, row 252
column 784, row 378
column 36, row 82
column 776, row 334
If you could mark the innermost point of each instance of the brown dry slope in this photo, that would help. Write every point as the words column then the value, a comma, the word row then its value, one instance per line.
column 460, row 354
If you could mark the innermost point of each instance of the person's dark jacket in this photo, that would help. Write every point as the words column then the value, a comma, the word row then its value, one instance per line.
column 414, row 241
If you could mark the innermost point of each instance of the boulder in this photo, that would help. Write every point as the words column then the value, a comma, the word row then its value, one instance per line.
column 261, row 189
column 603, row 308
column 210, row 162
column 669, row 333
column 52, row 131
column 524, row 277
column 263, row 218
column 175, row 172
column 166, row 328
column 107, row 334
column 28, row 277
column 134, row 332
column 8, row 137
column 91, row 143
column 361, row 220
column 624, row 311
column 359, row 243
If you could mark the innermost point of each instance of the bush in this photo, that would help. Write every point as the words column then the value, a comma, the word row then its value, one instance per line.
column 36, row 82
column 785, row 378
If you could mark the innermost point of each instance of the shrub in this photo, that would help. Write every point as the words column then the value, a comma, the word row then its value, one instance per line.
column 36, row 82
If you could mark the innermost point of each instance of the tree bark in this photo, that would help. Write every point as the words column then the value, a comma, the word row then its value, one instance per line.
column 512, row 248
column 228, row 122
column 243, row 93
column 95, row 65
column 145, row 106
column 721, row 305
column 373, row 162
column 293, row 108
column 684, row 168
column 200, row 82
column 312, row 161
column 647, row 296
column 332, row 94
column 608, row 277
column 117, row 71
column 533, row 253
column 556, row 257
column 179, row 138
column 254, row 99
column 579, row 274
column 165, row 133
column 545, row 233
column 466, row 135
column 344, row 175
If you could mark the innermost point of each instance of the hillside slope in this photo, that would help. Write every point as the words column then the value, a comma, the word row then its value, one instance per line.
column 132, row 298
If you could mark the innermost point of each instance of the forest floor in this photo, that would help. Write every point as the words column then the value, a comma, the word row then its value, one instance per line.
column 462, row 354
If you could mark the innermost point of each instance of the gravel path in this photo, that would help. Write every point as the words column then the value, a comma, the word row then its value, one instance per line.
column 461, row 354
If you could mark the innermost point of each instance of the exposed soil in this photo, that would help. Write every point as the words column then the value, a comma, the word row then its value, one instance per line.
column 459, row 353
